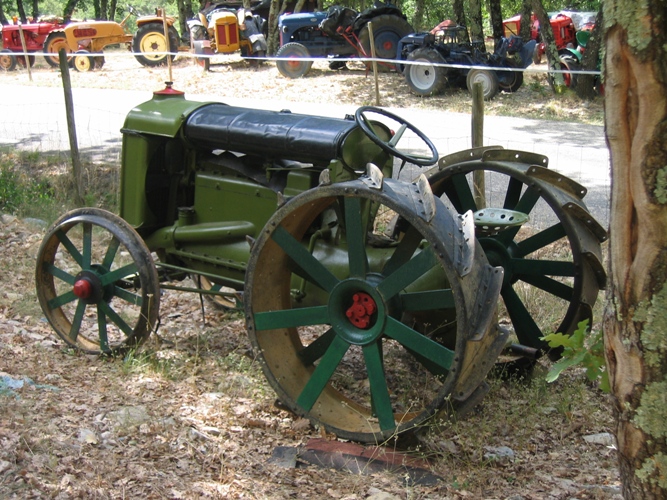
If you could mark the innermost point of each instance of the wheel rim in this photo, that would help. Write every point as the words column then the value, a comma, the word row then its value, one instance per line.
column 348, row 324
column 153, row 42
column 423, row 77
column 54, row 46
column 96, row 282
column 6, row 61
column 83, row 63
column 386, row 44
column 553, row 274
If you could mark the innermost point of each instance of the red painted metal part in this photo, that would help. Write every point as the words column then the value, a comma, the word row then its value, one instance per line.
column 361, row 310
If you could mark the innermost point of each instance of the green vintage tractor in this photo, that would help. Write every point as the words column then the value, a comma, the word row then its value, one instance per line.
column 371, row 303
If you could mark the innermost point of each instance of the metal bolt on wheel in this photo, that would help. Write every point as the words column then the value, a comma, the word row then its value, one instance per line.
column 381, row 334
column 96, row 282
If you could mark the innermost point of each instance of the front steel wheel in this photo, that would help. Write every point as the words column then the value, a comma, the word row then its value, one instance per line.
column 96, row 282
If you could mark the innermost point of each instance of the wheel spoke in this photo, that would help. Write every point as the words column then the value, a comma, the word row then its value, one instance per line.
column 427, row 301
column 419, row 344
column 290, row 318
column 110, row 255
column 87, row 245
column 460, row 194
column 549, row 285
column 530, row 267
column 113, row 316
column 61, row 300
column 397, row 135
column 102, row 329
column 378, row 385
column 407, row 273
column 120, row 273
column 126, row 295
column 76, row 320
column 67, row 243
column 316, row 349
column 524, row 325
column 307, row 266
column 541, row 239
column 356, row 238
column 61, row 274
column 404, row 251
column 322, row 373
column 514, row 187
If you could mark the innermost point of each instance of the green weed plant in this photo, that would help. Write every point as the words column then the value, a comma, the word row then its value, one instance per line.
column 580, row 349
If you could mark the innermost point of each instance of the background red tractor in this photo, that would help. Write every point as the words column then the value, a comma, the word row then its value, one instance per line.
column 37, row 39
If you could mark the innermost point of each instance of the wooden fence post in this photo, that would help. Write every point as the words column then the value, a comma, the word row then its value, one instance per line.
column 479, row 183
column 375, row 64
column 77, row 168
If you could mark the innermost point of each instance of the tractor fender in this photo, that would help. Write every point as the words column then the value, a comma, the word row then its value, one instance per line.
column 570, row 52
column 154, row 19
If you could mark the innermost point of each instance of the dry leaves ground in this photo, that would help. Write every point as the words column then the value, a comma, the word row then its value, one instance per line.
column 190, row 415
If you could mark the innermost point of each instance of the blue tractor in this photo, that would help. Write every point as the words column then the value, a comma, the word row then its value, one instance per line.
column 339, row 33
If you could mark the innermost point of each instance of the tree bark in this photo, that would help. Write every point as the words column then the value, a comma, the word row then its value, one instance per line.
column 273, row 41
column 3, row 18
column 526, row 20
column 113, row 4
column 496, row 14
column 586, row 87
column 35, row 10
column 185, row 12
column 97, row 13
column 556, row 81
column 68, row 11
column 636, row 313
column 459, row 13
column 475, row 28
column 21, row 11
column 418, row 18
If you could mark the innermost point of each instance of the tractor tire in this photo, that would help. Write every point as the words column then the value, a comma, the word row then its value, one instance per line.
column 387, row 32
column 7, row 60
column 488, row 79
column 83, row 61
column 425, row 80
column 54, row 42
column 510, row 81
column 569, row 63
column 150, row 38
column 292, row 67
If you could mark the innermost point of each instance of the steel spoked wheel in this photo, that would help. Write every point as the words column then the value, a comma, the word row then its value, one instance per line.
column 54, row 42
column 293, row 66
column 536, row 226
column 96, row 282
column 367, row 334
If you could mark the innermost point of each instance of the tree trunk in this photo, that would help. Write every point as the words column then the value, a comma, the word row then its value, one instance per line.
column 418, row 18
column 475, row 28
column 3, row 18
column 21, row 11
column 555, row 80
column 586, row 87
column 113, row 5
column 459, row 13
column 35, row 10
column 97, row 9
column 526, row 20
column 273, row 41
column 636, row 314
column 185, row 12
column 68, row 11
column 104, row 10
column 496, row 14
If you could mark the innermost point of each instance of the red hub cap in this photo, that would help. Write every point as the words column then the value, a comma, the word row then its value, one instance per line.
column 83, row 289
column 361, row 310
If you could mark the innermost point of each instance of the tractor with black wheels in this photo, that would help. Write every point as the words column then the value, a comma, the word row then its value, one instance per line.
column 339, row 33
column 345, row 274
column 446, row 56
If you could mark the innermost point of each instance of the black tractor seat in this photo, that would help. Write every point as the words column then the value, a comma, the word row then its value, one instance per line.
column 271, row 134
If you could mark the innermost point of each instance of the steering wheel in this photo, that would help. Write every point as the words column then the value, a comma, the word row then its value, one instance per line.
column 391, row 145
